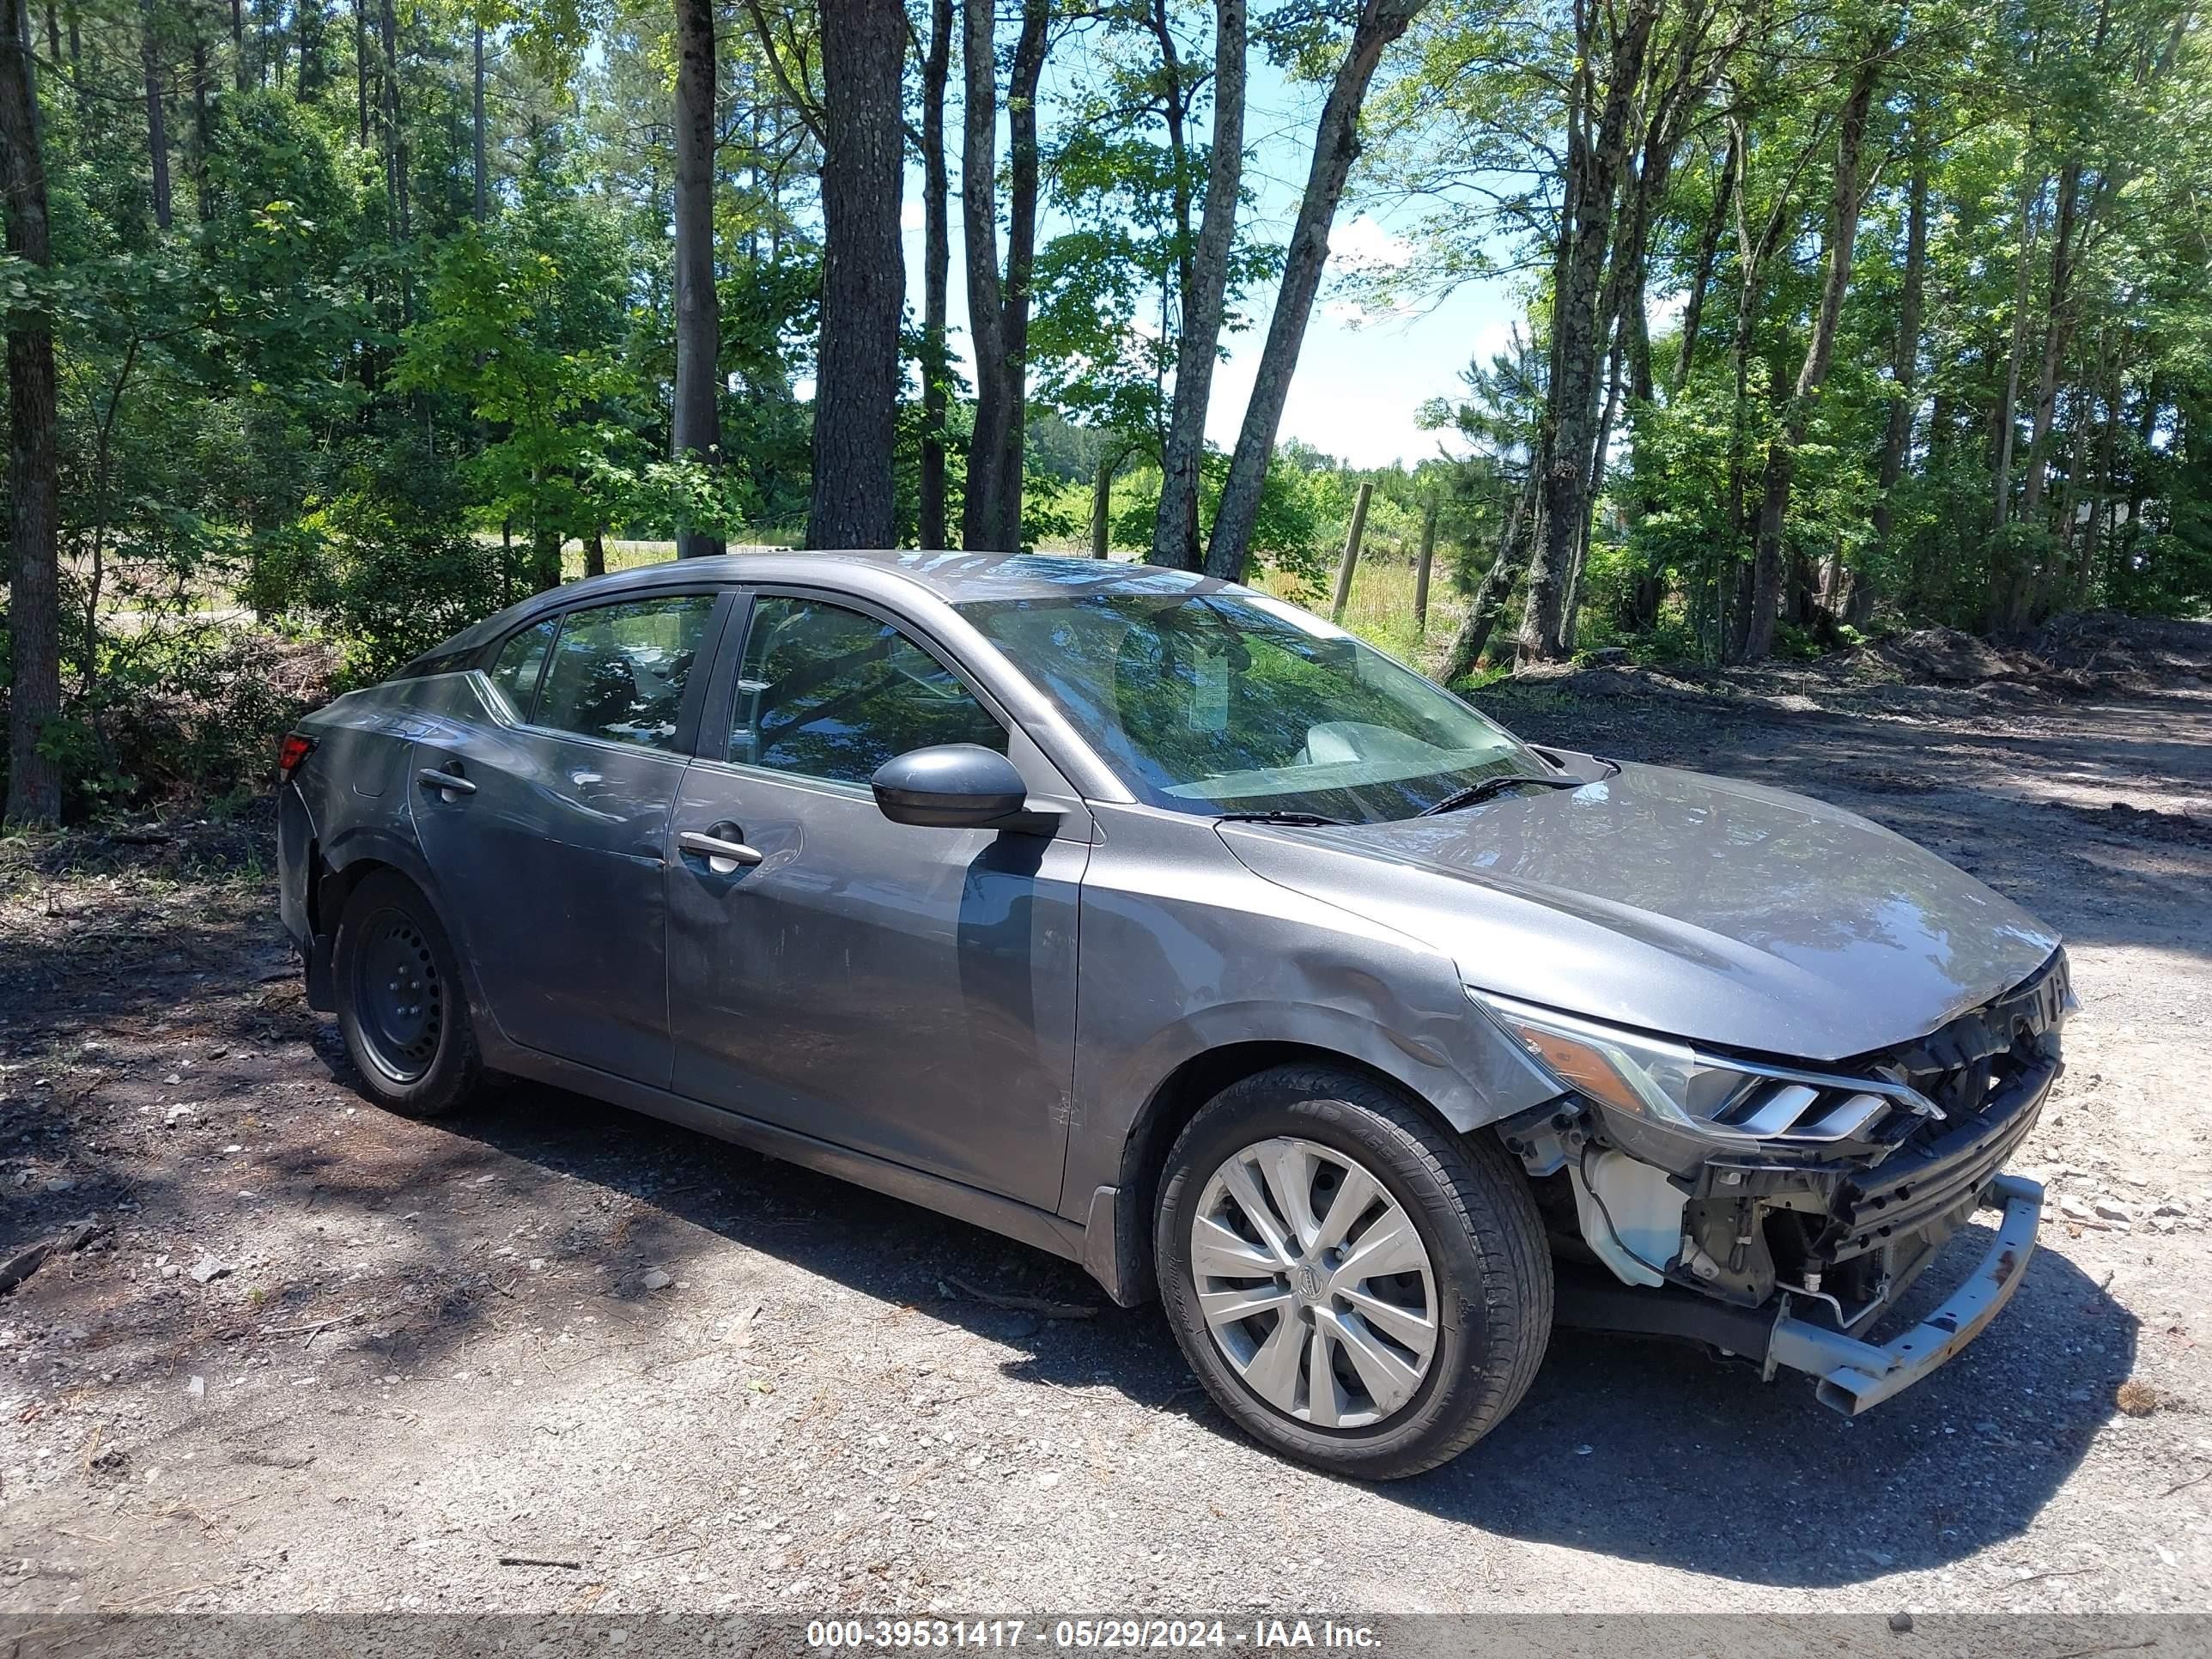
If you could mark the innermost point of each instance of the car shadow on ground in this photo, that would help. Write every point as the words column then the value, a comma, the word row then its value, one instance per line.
column 1647, row 1451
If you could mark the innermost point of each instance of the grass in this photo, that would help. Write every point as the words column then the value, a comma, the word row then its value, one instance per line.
column 1380, row 609
column 628, row 555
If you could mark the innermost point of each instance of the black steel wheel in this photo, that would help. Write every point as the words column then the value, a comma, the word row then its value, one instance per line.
column 401, row 1006
column 399, row 995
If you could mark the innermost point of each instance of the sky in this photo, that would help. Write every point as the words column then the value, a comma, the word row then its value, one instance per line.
column 1360, row 378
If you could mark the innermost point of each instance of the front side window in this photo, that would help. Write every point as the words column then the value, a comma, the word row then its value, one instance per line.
column 514, row 671
column 1238, row 702
column 830, row 693
column 618, row 671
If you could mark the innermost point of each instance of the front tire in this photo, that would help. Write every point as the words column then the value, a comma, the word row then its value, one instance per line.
column 1360, row 1289
column 402, row 1009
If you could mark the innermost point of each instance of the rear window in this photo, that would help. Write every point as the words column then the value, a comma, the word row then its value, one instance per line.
column 618, row 672
column 515, row 670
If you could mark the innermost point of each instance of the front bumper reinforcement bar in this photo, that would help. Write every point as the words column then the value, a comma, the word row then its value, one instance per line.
column 1855, row 1375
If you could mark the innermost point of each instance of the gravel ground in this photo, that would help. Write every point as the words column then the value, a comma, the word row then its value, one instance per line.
column 551, row 1357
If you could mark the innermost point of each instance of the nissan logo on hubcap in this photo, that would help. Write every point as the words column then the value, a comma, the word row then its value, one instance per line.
column 1309, row 1283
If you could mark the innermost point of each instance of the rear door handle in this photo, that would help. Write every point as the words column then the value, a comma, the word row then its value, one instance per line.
column 453, row 783
column 722, row 856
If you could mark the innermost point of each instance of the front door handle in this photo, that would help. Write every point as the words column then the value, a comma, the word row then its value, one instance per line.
column 450, row 783
column 723, row 857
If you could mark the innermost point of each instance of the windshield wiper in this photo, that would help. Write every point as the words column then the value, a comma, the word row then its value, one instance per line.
column 1475, row 793
column 1275, row 817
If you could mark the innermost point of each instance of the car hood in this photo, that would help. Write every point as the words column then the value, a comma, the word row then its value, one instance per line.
column 1718, row 911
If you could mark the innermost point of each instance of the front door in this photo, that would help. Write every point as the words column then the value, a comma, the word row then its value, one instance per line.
column 902, row 991
column 550, row 846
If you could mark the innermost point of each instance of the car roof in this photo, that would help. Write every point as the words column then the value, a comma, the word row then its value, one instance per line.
column 956, row 578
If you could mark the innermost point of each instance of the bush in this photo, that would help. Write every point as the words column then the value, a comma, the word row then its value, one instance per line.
column 393, row 585
column 187, row 715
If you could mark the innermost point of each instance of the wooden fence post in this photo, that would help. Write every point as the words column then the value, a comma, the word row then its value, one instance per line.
column 1102, row 505
column 1350, row 552
column 1421, row 572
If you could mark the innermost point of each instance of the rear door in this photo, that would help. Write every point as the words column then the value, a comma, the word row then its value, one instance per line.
column 550, row 842
column 903, row 991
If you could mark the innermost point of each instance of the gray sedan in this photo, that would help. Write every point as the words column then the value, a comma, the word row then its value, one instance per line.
column 1154, row 922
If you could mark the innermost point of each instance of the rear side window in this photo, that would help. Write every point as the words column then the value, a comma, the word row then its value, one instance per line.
column 618, row 671
column 514, row 671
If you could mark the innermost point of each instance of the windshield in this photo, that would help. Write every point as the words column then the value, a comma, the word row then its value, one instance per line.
column 1232, row 702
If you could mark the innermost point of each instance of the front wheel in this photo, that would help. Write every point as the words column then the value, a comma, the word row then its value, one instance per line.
column 1358, row 1287
column 401, row 1008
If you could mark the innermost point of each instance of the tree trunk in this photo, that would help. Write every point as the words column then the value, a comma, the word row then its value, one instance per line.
column 1572, row 604
column 1707, row 251
column 595, row 551
column 395, row 140
column 203, row 124
column 1905, row 371
column 34, row 783
column 1176, row 97
column 1336, row 145
column 998, row 310
column 1733, row 582
column 695, row 428
column 979, row 196
column 1174, row 530
column 936, row 275
column 2056, row 333
column 157, row 128
column 1022, row 177
column 2004, row 558
column 1490, row 594
column 863, row 275
column 2111, row 383
column 1797, row 421
column 545, row 557
column 311, row 20
column 360, row 56
column 1578, row 338
column 476, row 132
column 2006, row 412
column 1102, row 505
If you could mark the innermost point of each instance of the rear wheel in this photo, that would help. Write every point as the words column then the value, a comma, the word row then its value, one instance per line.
column 401, row 1008
column 1358, row 1287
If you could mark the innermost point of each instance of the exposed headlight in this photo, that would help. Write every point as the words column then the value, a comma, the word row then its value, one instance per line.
column 1673, row 1086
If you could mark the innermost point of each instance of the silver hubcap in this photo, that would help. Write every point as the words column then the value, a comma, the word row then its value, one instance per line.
column 1315, row 1284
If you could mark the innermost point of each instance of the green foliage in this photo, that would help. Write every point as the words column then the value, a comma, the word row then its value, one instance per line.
column 185, row 714
column 329, row 403
column 391, row 585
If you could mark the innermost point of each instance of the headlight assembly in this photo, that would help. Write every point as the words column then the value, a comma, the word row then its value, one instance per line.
column 1671, row 1084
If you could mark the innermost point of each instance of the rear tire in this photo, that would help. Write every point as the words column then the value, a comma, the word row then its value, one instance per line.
column 1407, row 1262
column 402, row 1008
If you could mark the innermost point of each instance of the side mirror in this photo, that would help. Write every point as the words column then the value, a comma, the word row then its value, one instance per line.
column 952, row 786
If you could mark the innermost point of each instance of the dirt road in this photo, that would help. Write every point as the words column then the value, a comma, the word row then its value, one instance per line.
column 553, row 1357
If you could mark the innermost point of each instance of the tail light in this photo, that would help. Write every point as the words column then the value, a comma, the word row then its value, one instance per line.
column 295, row 747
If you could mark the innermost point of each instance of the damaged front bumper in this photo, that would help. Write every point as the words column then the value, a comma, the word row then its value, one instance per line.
column 1788, row 1255
column 1853, row 1374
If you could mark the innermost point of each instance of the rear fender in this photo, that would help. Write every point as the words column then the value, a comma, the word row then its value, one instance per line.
column 353, row 854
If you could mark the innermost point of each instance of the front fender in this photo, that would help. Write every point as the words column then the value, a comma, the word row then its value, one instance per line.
column 1446, row 1059
column 1185, row 952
